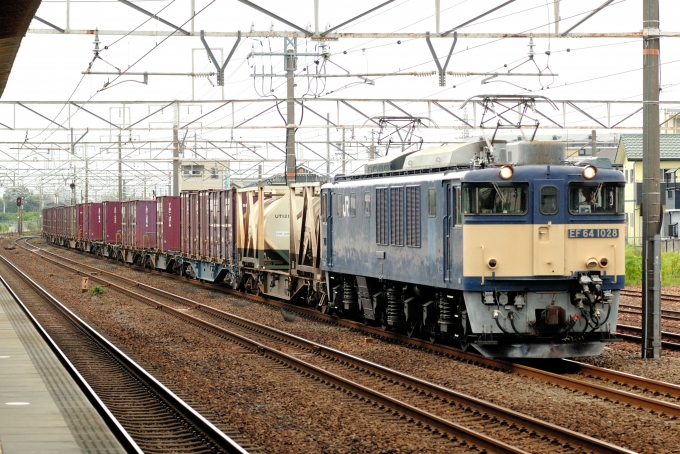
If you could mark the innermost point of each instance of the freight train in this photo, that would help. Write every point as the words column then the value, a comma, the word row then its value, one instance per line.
column 518, row 258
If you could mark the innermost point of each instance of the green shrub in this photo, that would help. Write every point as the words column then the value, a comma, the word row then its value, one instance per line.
column 97, row 290
column 633, row 265
column 670, row 267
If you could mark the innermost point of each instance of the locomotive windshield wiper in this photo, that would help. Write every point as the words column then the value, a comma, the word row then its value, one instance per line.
column 498, row 191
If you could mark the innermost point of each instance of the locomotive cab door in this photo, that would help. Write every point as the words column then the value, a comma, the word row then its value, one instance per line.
column 447, row 222
column 548, row 229
column 327, row 221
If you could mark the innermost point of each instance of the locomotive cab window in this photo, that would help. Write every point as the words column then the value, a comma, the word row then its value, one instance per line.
column 495, row 199
column 459, row 208
column 324, row 208
column 605, row 198
column 338, row 205
column 549, row 204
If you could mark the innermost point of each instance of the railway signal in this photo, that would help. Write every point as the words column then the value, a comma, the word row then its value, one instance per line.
column 18, row 201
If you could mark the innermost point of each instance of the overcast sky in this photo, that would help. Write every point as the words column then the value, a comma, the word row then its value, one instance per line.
column 49, row 66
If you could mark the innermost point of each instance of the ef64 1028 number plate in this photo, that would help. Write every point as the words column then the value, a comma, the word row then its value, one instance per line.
column 593, row 233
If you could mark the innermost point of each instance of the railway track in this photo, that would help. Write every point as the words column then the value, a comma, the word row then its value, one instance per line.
column 461, row 417
column 640, row 384
column 157, row 420
column 638, row 294
column 637, row 310
column 669, row 340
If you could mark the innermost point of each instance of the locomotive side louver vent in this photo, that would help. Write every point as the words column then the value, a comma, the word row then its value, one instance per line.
column 413, row 216
column 397, row 216
column 381, row 216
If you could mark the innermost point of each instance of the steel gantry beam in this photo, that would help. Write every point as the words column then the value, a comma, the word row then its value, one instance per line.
column 336, row 133
column 348, row 35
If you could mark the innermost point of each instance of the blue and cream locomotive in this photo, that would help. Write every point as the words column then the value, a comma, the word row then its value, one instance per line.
column 519, row 260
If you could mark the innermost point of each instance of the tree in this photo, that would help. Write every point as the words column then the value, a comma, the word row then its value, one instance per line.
column 29, row 201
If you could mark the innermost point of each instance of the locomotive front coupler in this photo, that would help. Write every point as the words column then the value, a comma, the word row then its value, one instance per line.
column 591, row 291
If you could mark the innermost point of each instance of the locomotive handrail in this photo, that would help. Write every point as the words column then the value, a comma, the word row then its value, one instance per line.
column 482, row 264
column 615, row 263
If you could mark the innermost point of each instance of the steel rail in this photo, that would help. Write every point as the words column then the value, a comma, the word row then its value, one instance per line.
column 637, row 329
column 664, row 296
column 112, row 423
column 636, row 310
column 217, row 436
column 541, row 375
column 399, row 407
column 482, row 406
column 669, row 389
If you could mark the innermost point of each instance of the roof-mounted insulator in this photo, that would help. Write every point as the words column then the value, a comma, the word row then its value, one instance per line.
column 531, row 46
column 96, row 42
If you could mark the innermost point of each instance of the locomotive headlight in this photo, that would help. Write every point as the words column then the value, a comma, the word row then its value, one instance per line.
column 589, row 172
column 506, row 172
column 604, row 262
column 591, row 262
column 492, row 263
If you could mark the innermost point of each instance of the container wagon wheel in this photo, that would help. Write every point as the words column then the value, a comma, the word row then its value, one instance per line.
column 251, row 286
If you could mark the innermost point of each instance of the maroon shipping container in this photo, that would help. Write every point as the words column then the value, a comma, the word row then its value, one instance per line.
column 139, row 223
column 221, row 222
column 58, row 221
column 61, row 221
column 168, row 225
column 45, row 220
column 50, row 220
column 93, row 222
column 214, row 224
column 184, row 204
column 111, row 222
column 191, row 227
column 204, row 239
column 78, row 221
column 72, row 221
column 53, row 220
column 68, row 220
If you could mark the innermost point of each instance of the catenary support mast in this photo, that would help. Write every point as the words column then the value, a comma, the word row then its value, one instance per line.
column 651, row 198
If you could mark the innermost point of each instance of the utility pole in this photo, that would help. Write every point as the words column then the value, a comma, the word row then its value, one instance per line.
column 651, row 204
column 291, row 66
column 593, row 145
column 175, row 150
column 371, row 151
column 120, row 169
column 328, row 147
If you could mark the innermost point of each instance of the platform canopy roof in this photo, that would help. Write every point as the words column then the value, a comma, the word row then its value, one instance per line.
column 15, row 16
